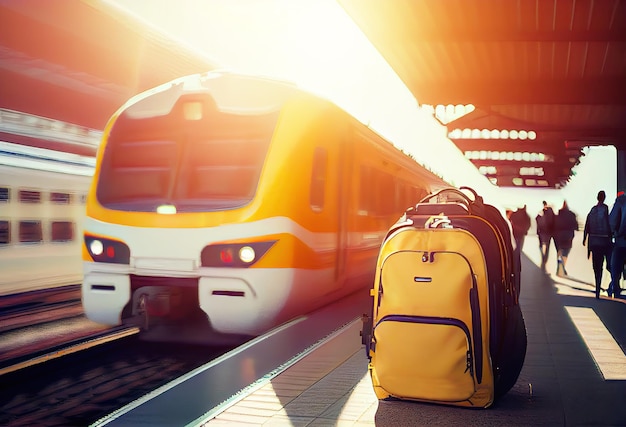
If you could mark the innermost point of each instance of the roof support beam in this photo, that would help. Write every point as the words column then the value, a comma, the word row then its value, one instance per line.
column 507, row 92
column 608, row 135
column 535, row 146
column 562, row 166
column 487, row 34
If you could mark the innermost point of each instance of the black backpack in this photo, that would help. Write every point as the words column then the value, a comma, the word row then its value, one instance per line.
column 598, row 226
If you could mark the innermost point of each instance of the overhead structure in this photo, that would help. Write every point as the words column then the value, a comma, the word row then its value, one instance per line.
column 77, row 62
column 551, row 74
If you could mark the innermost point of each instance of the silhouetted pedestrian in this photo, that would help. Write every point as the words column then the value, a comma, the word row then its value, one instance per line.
column 597, row 234
column 617, row 219
column 520, row 222
column 565, row 224
column 545, row 232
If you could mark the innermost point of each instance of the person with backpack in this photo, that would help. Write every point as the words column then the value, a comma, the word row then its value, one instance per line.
column 597, row 235
column 545, row 232
column 617, row 219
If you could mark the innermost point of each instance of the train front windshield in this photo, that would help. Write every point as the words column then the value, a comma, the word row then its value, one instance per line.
column 194, row 161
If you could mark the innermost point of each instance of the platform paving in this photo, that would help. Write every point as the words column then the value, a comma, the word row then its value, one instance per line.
column 565, row 381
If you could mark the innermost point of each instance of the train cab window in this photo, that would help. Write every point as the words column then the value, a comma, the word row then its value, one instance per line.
column 318, row 178
column 62, row 231
column 226, row 169
column 60, row 198
column 30, row 232
column 212, row 163
column 29, row 196
column 5, row 194
column 5, row 232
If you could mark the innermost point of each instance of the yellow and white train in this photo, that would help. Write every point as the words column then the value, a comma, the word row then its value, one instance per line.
column 223, row 205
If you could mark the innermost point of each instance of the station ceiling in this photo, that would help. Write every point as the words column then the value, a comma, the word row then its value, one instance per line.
column 79, row 61
column 553, row 67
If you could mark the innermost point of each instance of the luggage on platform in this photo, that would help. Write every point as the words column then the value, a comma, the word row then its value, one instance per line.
column 446, row 325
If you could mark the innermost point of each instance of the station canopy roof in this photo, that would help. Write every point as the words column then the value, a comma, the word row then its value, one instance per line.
column 522, row 85
column 543, row 78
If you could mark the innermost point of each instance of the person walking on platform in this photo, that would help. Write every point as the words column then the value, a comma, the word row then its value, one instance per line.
column 565, row 224
column 545, row 232
column 520, row 222
column 617, row 220
column 597, row 235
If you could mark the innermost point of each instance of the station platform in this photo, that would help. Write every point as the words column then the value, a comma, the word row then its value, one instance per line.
column 574, row 371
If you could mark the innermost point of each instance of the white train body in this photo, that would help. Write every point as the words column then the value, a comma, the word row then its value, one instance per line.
column 42, row 208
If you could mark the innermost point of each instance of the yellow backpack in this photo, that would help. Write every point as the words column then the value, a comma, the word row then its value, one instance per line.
column 446, row 326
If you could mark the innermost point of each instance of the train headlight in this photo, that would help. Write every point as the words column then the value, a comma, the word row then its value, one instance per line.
column 166, row 209
column 246, row 254
column 107, row 250
column 96, row 247
column 239, row 255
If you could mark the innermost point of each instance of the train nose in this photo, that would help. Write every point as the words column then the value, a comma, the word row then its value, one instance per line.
column 158, row 302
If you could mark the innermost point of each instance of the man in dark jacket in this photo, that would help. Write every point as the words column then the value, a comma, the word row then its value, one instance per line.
column 617, row 219
column 597, row 234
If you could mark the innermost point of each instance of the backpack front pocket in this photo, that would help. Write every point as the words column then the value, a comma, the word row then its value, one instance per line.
column 424, row 358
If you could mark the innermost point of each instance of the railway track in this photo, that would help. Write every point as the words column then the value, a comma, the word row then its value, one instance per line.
column 82, row 387
column 25, row 358
column 57, row 368
column 39, row 325
column 82, row 380
column 36, row 307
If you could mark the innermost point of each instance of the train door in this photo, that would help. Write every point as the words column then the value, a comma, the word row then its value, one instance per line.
column 344, row 171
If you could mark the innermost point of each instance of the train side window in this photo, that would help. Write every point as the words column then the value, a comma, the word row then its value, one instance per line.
column 402, row 196
column 419, row 193
column 5, row 232
column 410, row 197
column 30, row 232
column 60, row 198
column 62, row 231
column 375, row 194
column 366, row 189
column 318, row 178
column 29, row 196
column 385, row 193
column 5, row 194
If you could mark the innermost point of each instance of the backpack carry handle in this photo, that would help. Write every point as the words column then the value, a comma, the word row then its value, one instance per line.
column 464, row 197
column 477, row 198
